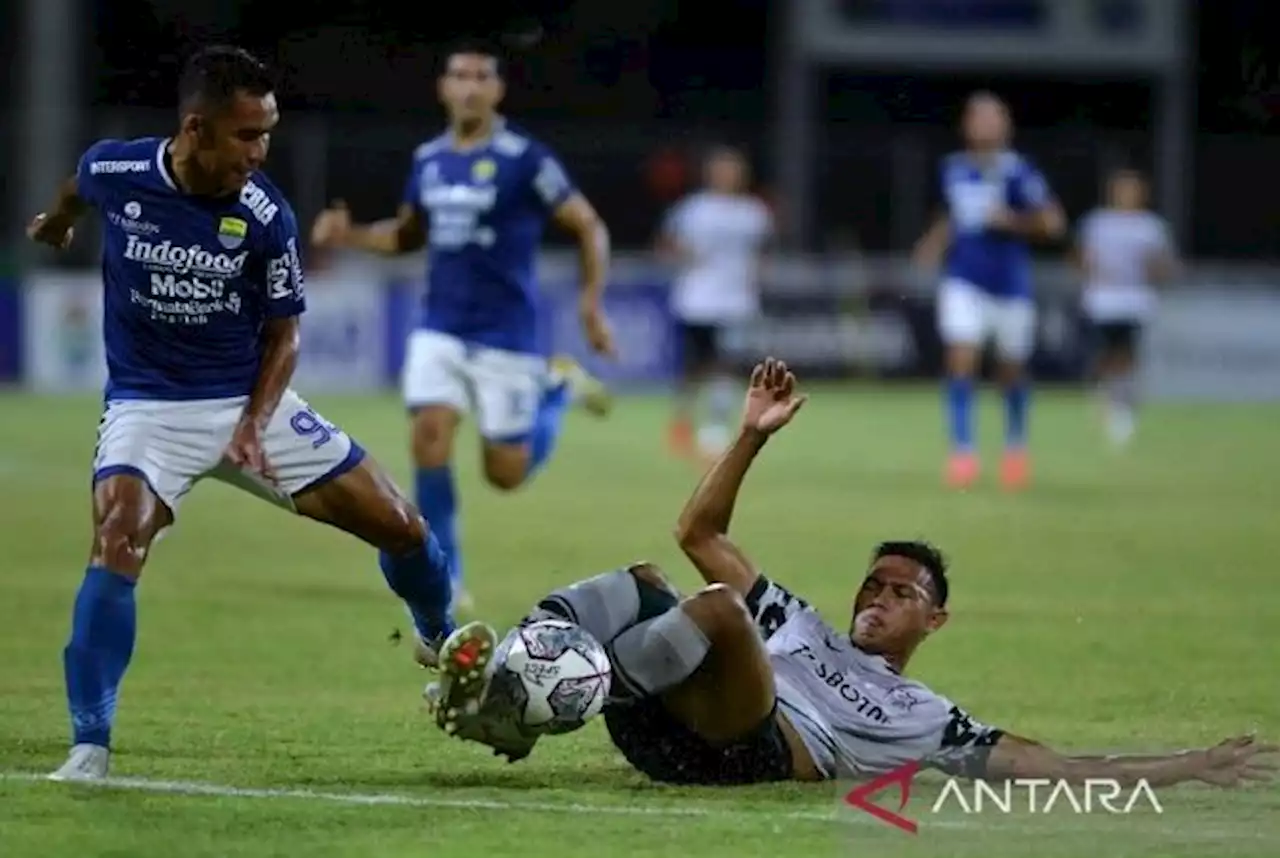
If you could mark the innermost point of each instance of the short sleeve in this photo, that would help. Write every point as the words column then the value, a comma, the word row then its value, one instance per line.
column 771, row 605
column 412, row 186
column 551, row 183
column 90, row 184
column 959, row 744
column 285, row 287
column 1031, row 190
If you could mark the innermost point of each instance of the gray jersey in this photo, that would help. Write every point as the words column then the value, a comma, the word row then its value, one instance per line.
column 854, row 713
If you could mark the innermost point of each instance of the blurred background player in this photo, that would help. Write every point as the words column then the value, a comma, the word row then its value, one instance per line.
column 1123, row 249
column 479, row 196
column 716, row 238
column 996, row 202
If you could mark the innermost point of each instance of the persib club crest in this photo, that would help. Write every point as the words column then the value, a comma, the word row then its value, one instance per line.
column 483, row 171
column 232, row 232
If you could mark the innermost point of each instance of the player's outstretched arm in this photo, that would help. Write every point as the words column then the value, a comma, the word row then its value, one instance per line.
column 1227, row 764
column 928, row 251
column 404, row 233
column 55, row 226
column 578, row 217
column 703, row 529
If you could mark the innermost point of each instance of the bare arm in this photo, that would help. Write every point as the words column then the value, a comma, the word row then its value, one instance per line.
column 933, row 244
column 404, row 233
column 703, row 528
column 577, row 216
column 68, row 205
column 1225, row 764
column 279, row 342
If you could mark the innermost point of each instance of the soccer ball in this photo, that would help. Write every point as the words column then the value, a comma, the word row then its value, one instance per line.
column 557, row 675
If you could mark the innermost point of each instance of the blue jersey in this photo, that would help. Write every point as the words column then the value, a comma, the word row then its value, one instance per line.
column 485, row 210
column 188, row 281
column 995, row 262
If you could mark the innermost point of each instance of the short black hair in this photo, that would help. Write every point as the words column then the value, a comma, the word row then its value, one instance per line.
column 212, row 76
column 482, row 47
column 924, row 553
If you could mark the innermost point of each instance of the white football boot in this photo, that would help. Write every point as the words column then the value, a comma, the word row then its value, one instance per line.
column 460, row 699
column 84, row 763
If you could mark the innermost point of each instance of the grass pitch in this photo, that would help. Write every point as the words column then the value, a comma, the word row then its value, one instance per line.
column 1125, row 602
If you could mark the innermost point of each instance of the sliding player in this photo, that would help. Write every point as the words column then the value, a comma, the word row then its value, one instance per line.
column 745, row 683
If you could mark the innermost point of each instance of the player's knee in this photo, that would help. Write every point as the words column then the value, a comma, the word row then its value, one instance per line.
column 403, row 531
column 432, row 440
column 120, row 544
column 718, row 610
column 506, row 466
column 649, row 576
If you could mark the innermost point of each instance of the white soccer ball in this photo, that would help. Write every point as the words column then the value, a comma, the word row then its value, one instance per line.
column 561, row 674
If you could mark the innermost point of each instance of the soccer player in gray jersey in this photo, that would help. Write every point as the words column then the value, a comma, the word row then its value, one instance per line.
column 743, row 682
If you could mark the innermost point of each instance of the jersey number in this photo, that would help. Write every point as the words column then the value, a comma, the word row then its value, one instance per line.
column 308, row 424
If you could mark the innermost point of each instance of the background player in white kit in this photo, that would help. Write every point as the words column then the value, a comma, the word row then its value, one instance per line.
column 716, row 238
column 996, row 203
column 203, row 292
column 743, row 682
column 479, row 196
column 1123, row 249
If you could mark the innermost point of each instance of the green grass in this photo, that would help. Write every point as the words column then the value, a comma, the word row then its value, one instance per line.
column 1127, row 601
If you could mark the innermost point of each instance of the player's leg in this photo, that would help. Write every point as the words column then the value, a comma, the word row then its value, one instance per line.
column 143, row 464
column 1015, row 331
column 323, row 474
column 1118, row 378
column 722, row 399
column 521, row 403
column 703, row 707
column 962, row 323
column 435, row 395
column 692, row 369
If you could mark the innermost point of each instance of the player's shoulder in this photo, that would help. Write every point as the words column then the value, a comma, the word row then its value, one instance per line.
column 1020, row 164
column 116, row 160
column 912, row 695
column 428, row 149
column 263, row 201
column 518, row 143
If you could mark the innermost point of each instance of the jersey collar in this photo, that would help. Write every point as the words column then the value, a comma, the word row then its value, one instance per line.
column 499, row 125
column 161, row 167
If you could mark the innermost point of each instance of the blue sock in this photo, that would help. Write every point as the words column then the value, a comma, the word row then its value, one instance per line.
column 422, row 580
column 1016, row 397
column 551, row 411
column 439, row 506
column 104, row 627
column 960, row 413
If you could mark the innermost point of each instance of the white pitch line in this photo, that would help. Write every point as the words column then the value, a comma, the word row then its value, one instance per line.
column 1156, row 828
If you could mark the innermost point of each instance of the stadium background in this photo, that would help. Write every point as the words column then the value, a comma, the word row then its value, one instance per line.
column 843, row 123
column 1125, row 602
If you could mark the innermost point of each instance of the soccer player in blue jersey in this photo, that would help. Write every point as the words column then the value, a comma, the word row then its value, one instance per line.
column 478, row 196
column 997, row 203
column 203, row 291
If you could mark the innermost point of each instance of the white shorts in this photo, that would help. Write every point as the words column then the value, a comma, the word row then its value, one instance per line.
column 174, row 445
column 969, row 316
column 503, row 388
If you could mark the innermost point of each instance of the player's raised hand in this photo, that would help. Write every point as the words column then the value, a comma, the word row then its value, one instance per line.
column 246, row 451
column 1236, row 761
column 595, row 327
column 54, row 231
column 332, row 226
column 772, row 399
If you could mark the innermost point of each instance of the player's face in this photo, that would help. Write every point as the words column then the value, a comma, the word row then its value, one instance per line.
column 986, row 124
column 726, row 173
column 894, row 609
column 1128, row 191
column 470, row 88
column 233, row 143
